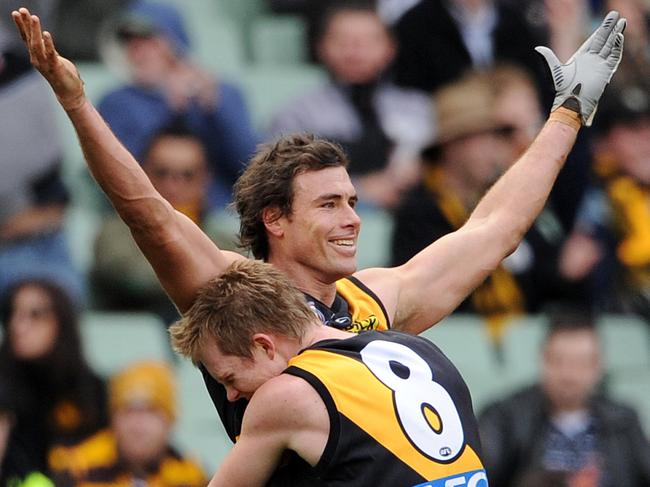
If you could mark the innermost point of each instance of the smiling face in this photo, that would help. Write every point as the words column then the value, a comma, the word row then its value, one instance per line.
column 320, row 235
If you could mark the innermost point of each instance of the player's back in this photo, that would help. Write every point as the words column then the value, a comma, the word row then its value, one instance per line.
column 400, row 414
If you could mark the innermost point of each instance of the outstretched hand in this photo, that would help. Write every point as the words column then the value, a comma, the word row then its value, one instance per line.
column 59, row 72
column 584, row 76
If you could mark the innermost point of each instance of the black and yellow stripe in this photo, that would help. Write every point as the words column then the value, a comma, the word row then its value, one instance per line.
column 367, row 439
column 366, row 310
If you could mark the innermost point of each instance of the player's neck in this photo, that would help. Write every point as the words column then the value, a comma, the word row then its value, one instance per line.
column 307, row 280
column 321, row 332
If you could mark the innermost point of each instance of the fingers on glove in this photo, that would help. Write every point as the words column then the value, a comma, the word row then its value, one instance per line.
column 553, row 63
column 602, row 34
column 617, row 53
column 613, row 39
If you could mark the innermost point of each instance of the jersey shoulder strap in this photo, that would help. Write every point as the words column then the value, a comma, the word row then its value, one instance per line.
column 365, row 308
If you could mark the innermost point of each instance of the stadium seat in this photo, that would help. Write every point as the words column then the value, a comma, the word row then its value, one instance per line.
column 521, row 347
column 198, row 430
column 278, row 40
column 267, row 88
column 626, row 343
column 373, row 246
column 81, row 226
column 241, row 10
column 219, row 46
column 111, row 341
column 464, row 340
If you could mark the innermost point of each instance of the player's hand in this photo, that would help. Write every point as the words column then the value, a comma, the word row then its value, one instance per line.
column 584, row 76
column 59, row 72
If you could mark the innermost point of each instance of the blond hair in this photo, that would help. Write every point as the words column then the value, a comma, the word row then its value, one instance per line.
column 250, row 297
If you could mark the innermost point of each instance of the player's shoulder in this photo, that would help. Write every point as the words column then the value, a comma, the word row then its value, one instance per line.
column 285, row 401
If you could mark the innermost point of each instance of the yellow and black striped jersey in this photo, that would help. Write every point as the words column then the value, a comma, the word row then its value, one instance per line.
column 356, row 308
column 400, row 414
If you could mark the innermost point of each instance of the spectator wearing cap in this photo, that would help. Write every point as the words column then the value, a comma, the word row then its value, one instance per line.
column 135, row 450
column 166, row 84
column 615, row 218
column 474, row 146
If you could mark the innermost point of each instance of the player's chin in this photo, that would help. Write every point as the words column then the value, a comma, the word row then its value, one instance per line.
column 346, row 266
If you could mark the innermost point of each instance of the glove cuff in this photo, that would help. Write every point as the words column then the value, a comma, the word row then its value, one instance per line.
column 567, row 117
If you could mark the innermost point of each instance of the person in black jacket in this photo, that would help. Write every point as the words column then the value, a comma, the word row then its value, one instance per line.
column 57, row 398
column 441, row 39
column 565, row 424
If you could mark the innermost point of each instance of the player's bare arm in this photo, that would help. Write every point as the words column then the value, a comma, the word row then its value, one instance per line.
column 183, row 257
column 434, row 282
column 286, row 413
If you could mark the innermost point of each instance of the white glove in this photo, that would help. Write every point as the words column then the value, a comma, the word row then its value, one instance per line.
column 584, row 76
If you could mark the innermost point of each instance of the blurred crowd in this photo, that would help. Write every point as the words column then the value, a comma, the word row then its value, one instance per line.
column 433, row 100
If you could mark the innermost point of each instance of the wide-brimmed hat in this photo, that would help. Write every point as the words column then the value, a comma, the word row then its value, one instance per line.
column 464, row 108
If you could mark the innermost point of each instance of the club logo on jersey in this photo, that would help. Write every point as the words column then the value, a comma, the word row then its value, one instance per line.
column 477, row 478
column 370, row 323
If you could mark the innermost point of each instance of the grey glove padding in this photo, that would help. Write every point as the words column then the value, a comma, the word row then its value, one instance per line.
column 589, row 70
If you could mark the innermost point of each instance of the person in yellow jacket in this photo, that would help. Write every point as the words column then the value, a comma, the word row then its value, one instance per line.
column 136, row 447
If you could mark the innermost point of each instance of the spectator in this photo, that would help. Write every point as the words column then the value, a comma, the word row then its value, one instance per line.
column 517, row 105
column 564, row 424
column 177, row 164
column 475, row 144
column 135, row 450
column 33, row 197
column 166, row 84
column 614, row 222
column 438, row 40
column 382, row 127
column 312, row 12
column 59, row 400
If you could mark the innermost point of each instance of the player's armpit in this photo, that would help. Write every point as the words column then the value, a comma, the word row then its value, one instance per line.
column 286, row 413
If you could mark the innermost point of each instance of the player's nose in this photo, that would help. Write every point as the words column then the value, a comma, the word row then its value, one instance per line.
column 232, row 394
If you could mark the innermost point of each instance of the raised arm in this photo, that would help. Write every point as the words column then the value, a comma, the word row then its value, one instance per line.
column 436, row 280
column 183, row 257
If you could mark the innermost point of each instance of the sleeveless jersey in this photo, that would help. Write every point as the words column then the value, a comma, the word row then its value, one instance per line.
column 400, row 414
column 355, row 308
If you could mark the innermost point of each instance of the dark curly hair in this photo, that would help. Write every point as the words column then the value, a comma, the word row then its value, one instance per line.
column 268, row 183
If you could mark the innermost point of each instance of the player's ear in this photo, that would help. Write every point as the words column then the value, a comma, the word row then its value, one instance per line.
column 272, row 216
column 265, row 343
